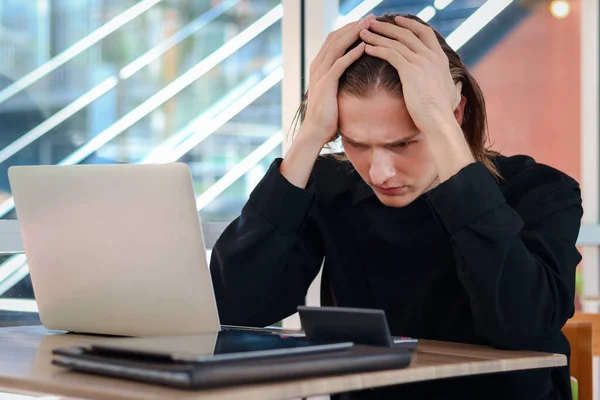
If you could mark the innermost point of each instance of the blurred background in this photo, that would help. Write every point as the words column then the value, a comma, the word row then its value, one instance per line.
column 201, row 82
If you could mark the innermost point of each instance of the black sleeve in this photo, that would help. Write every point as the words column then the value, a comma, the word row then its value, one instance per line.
column 265, row 260
column 520, row 278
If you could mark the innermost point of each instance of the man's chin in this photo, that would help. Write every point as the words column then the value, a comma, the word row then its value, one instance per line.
column 396, row 200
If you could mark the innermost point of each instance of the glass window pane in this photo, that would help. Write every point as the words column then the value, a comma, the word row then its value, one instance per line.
column 140, row 81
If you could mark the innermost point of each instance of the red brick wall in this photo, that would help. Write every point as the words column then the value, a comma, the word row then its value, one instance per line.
column 531, row 84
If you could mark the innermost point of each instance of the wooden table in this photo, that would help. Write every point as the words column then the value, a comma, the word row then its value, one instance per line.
column 25, row 354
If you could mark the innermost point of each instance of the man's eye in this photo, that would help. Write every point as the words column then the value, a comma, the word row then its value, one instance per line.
column 355, row 145
column 401, row 144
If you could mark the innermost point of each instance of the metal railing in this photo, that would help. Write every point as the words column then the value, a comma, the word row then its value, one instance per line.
column 112, row 81
column 166, row 93
column 77, row 48
column 16, row 267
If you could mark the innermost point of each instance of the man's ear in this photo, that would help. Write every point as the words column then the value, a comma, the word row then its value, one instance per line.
column 459, row 111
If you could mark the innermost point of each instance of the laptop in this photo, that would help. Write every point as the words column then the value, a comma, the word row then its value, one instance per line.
column 115, row 249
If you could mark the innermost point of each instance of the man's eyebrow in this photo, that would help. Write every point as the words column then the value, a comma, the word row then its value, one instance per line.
column 405, row 139
column 348, row 138
column 402, row 140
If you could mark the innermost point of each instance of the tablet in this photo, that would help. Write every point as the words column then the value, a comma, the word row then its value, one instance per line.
column 215, row 347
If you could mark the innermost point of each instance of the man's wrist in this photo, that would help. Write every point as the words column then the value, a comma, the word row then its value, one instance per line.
column 449, row 147
column 309, row 136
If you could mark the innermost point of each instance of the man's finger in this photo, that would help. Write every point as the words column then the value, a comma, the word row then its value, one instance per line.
column 423, row 32
column 342, row 43
column 346, row 60
column 336, row 34
column 378, row 40
column 403, row 35
column 390, row 55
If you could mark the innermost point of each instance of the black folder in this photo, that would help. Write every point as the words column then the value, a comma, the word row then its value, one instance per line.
column 188, row 374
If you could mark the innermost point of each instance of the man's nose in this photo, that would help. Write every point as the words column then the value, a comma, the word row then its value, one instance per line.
column 382, row 169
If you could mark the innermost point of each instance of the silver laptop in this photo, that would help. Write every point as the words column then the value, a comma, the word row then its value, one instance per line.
column 115, row 249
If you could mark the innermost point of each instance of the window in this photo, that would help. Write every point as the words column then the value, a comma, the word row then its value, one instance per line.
column 141, row 81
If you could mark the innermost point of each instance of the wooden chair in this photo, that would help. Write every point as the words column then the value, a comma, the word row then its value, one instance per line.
column 579, row 334
column 594, row 319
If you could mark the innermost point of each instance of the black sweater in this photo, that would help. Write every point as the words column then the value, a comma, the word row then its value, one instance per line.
column 475, row 260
